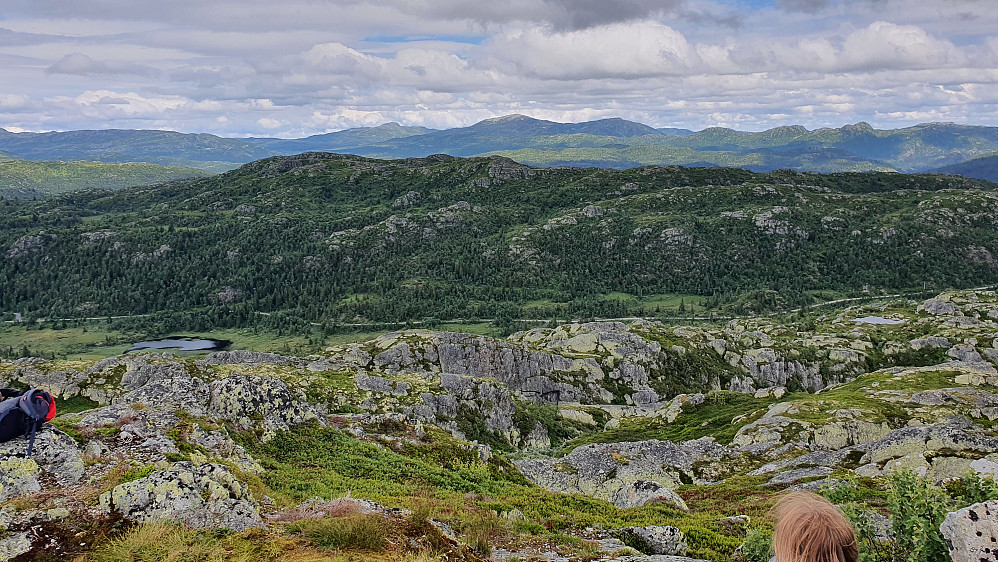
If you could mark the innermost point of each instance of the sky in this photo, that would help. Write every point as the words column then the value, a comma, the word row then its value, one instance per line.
column 292, row 68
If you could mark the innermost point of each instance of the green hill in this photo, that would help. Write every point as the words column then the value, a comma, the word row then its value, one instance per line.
column 331, row 238
column 22, row 179
column 983, row 167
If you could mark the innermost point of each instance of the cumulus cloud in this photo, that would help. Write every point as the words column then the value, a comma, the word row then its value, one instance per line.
column 304, row 66
column 613, row 51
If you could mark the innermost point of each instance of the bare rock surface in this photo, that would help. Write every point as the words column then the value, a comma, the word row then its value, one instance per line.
column 205, row 496
column 972, row 533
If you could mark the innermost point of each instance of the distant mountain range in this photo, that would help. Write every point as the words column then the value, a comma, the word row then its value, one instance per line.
column 612, row 143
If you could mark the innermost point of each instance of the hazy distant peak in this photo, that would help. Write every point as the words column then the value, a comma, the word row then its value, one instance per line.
column 862, row 126
column 796, row 129
column 508, row 118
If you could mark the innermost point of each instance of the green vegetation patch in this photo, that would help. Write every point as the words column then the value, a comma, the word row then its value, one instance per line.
column 714, row 418
column 312, row 461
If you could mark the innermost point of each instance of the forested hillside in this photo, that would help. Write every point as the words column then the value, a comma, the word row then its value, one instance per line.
column 983, row 167
column 329, row 238
column 23, row 179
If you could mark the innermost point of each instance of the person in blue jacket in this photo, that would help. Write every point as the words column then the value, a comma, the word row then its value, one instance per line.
column 810, row 529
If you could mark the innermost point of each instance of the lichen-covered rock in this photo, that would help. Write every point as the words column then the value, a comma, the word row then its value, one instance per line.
column 938, row 451
column 242, row 357
column 204, row 496
column 972, row 533
column 165, row 385
column 791, row 476
column 14, row 544
column 243, row 399
column 18, row 477
column 676, row 406
column 644, row 492
column 55, row 453
column 538, row 438
column 771, row 431
column 842, row 433
column 625, row 474
column 767, row 368
column 381, row 385
column 928, row 342
column 937, row 307
column 964, row 352
column 533, row 375
column 655, row 539
column 219, row 444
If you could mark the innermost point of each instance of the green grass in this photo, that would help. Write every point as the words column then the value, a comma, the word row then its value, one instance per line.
column 311, row 461
column 155, row 541
column 353, row 532
column 713, row 418
column 70, row 343
column 856, row 395
column 74, row 405
column 93, row 341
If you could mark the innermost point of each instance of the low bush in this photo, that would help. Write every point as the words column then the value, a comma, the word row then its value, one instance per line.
column 758, row 546
column 917, row 508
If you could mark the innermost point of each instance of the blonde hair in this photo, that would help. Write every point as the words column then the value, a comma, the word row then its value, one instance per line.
column 810, row 529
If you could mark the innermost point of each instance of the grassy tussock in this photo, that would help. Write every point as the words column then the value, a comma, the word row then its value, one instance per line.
column 368, row 533
column 174, row 543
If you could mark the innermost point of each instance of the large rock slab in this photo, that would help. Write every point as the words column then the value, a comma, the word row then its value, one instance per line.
column 972, row 533
column 654, row 539
column 204, row 497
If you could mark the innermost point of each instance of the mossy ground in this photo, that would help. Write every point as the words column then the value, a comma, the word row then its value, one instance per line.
column 714, row 418
column 312, row 461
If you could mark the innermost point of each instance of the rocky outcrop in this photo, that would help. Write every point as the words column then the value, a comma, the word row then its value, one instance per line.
column 972, row 533
column 55, row 455
column 242, row 357
column 937, row 307
column 625, row 474
column 243, row 399
column 204, row 496
column 654, row 539
column 938, row 452
column 533, row 375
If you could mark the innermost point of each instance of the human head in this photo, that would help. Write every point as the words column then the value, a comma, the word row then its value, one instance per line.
column 810, row 529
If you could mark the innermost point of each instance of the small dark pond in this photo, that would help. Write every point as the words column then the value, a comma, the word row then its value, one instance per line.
column 183, row 343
